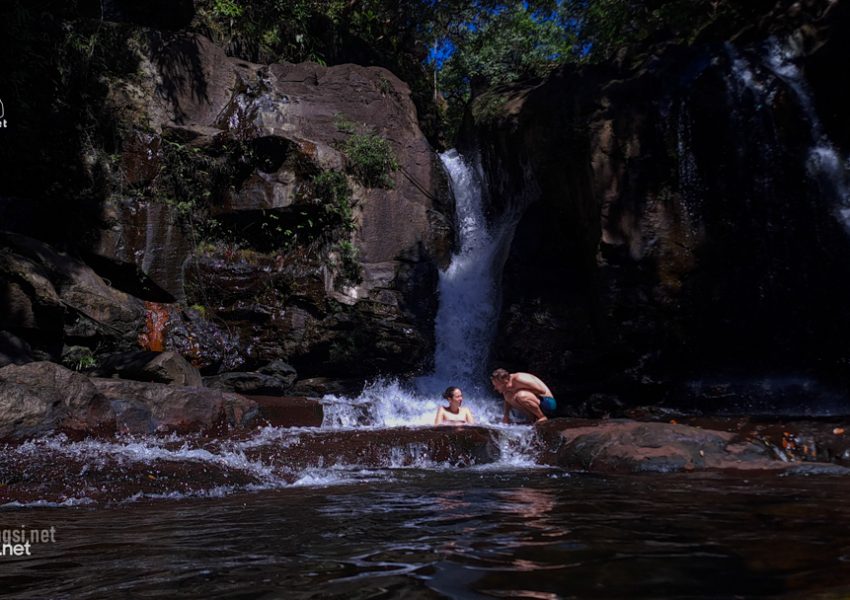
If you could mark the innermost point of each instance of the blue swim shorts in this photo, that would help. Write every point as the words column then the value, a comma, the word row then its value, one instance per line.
column 548, row 405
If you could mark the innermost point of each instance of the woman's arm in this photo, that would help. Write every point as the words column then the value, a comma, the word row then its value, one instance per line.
column 469, row 418
column 439, row 419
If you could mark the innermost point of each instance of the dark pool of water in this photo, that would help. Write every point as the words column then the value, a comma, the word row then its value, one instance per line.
column 535, row 533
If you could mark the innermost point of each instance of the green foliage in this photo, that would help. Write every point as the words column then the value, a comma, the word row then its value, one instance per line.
column 371, row 159
column 272, row 30
column 607, row 27
column 80, row 359
column 227, row 8
column 335, row 221
column 510, row 42
column 332, row 194
column 184, row 178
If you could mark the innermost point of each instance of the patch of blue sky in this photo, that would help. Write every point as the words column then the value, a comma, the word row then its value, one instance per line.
column 441, row 52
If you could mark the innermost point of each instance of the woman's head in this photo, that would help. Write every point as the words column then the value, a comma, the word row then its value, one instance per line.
column 453, row 393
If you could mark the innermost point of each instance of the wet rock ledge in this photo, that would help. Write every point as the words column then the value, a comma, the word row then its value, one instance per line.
column 734, row 443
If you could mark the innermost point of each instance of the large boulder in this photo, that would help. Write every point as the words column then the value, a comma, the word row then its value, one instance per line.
column 160, row 367
column 42, row 397
column 621, row 446
column 142, row 407
column 246, row 144
column 48, row 296
column 273, row 379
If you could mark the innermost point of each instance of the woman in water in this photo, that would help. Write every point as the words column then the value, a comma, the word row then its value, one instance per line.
column 453, row 414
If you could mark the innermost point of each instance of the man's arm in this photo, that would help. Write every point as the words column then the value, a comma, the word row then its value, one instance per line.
column 506, row 418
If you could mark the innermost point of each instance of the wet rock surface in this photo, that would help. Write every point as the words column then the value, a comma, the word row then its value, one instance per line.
column 153, row 407
column 128, row 468
column 289, row 411
column 695, row 444
column 42, row 398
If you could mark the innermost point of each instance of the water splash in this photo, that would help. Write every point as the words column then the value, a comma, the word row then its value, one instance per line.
column 390, row 403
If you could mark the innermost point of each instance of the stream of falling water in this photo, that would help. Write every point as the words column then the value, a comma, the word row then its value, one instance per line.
column 464, row 325
column 825, row 165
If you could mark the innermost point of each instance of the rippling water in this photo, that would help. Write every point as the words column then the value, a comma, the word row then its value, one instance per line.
column 464, row 533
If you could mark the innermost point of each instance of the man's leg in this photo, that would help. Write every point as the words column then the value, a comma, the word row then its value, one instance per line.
column 528, row 403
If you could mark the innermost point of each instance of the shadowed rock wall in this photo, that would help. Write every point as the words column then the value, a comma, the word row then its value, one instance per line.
column 675, row 223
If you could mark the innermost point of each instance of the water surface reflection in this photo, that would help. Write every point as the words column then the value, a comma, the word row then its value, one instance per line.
column 455, row 533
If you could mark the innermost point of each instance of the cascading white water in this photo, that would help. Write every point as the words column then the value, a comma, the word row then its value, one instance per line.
column 464, row 327
column 824, row 163
column 469, row 290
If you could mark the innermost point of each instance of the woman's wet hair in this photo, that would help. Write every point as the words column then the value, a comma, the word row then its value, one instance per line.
column 450, row 392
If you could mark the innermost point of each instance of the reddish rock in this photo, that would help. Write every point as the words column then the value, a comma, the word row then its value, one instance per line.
column 289, row 411
column 400, row 447
column 621, row 446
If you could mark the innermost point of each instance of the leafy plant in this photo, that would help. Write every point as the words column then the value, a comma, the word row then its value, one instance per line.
column 227, row 8
column 371, row 159
column 331, row 191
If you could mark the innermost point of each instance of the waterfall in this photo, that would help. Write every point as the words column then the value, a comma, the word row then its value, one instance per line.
column 469, row 289
column 465, row 324
column 824, row 163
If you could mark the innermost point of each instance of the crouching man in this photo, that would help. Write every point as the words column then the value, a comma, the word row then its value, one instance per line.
column 526, row 393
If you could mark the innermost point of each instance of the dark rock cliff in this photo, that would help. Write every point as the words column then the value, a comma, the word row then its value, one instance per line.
column 683, row 213
column 233, row 207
